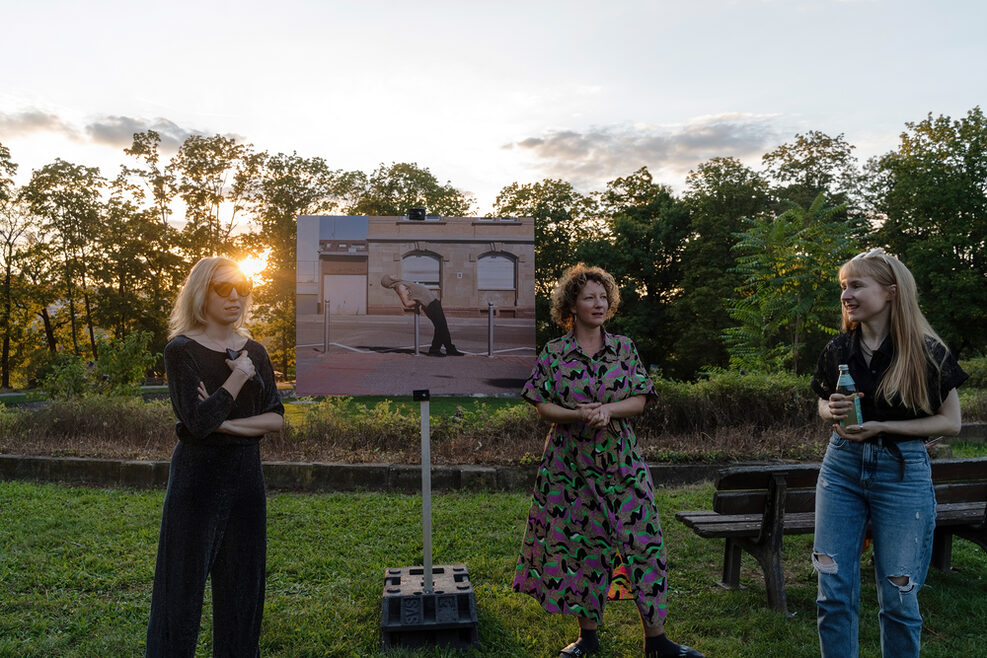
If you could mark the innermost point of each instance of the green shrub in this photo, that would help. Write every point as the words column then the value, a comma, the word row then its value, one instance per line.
column 502, row 424
column 66, row 378
column 123, row 362
column 347, row 423
column 7, row 418
column 119, row 370
column 977, row 369
column 730, row 398
column 110, row 418
column 347, row 429
column 973, row 404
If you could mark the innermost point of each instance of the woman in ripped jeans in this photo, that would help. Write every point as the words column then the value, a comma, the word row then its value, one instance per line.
column 877, row 472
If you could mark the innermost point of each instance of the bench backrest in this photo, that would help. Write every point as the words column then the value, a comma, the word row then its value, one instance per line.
column 744, row 489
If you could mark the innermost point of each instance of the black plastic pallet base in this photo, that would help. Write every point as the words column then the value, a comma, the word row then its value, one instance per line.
column 411, row 618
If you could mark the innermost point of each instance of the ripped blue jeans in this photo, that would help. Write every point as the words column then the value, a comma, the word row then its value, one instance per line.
column 860, row 483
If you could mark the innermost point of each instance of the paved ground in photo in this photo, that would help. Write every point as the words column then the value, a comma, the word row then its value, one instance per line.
column 375, row 355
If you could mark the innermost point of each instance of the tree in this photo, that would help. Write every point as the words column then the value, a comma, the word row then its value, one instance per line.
column 932, row 191
column 160, row 183
column 642, row 248
column 14, row 224
column 393, row 190
column 789, row 301
column 66, row 199
column 287, row 186
column 7, row 169
column 564, row 219
column 719, row 193
column 44, row 286
column 137, row 271
column 213, row 176
column 814, row 163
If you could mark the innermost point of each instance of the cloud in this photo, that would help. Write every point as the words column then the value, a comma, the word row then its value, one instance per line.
column 113, row 130
column 24, row 123
column 587, row 158
column 119, row 131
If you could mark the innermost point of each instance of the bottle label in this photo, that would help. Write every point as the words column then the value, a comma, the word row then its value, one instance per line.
column 854, row 417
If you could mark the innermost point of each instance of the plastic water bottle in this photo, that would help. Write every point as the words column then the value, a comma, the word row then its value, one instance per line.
column 846, row 386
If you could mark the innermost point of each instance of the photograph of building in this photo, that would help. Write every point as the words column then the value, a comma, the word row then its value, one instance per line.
column 382, row 301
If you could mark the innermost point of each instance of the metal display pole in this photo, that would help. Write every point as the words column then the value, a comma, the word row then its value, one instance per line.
column 325, row 322
column 428, row 605
column 423, row 396
column 490, row 319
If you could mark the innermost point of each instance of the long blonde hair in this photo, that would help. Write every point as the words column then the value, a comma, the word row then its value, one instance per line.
column 906, row 377
column 189, row 311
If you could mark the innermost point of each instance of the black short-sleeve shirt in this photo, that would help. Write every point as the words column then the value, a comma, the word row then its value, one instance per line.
column 845, row 348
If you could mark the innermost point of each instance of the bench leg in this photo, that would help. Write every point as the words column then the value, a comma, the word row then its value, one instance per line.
column 731, row 564
column 774, row 580
column 978, row 535
column 942, row 549
column 768, row 555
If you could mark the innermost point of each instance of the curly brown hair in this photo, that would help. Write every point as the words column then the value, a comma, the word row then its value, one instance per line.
column 572, row 282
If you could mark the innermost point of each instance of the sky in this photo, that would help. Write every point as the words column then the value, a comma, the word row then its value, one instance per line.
column 483, row 93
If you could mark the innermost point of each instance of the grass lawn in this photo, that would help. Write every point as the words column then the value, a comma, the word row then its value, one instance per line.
column 76, row 568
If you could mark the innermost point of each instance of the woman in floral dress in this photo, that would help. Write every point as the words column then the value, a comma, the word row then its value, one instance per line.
column 593, row 531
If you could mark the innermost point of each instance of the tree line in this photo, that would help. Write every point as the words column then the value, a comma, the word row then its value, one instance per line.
column 737, row 271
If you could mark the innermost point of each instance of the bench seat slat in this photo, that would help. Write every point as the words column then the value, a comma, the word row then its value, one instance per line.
column 743, row 525
column 805, row 475
column 710, row 524
column 804, row 500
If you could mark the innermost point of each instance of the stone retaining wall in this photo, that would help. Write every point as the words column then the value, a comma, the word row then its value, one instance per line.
column 314, row 477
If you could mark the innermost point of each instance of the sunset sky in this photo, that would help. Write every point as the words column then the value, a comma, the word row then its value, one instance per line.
column 484, row 93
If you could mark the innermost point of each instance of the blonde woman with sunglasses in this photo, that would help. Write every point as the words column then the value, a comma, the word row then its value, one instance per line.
column 214, row 521
column 877, row 472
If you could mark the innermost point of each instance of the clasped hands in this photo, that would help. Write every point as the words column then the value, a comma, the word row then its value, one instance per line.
column 594, row 414
column 243, row 363
column 839, row 410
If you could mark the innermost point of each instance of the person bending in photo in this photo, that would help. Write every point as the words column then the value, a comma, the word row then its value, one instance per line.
column 214, row 521
column 415, row 294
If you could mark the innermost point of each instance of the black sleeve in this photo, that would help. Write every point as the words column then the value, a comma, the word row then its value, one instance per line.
column 272, row 399
column 951, row 375
column 199, row 418
column 824, row 379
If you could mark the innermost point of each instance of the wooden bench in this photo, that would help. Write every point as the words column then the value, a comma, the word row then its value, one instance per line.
column 755, row 506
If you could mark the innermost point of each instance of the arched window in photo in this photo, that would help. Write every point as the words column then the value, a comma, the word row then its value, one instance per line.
column 496, row 271
column 422, row 267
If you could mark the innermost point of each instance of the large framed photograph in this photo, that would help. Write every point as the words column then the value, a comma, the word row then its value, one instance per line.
column 388, row 305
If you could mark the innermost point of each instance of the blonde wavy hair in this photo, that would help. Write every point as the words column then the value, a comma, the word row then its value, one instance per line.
column 570, row 284
column 189, row 311
column 909, row 329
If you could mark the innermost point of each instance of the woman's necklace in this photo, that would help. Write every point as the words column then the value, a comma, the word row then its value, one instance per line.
column 867, row 350
column 214, row 344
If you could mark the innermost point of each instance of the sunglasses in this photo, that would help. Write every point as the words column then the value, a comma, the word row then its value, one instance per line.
column 225, row 288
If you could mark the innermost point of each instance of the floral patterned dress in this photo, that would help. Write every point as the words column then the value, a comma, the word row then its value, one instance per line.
column 593, row 531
